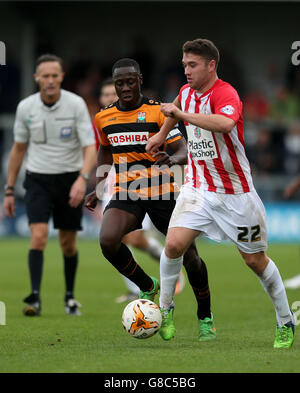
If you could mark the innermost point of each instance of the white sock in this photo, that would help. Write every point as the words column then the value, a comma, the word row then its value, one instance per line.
column 169, row 272
column 132, row 288
column 154, row 248
column 273, row 285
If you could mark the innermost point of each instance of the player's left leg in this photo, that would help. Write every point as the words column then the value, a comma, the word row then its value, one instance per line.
column 68, row 244
column 116, row 222
column 178, row 241
column 270, row 278
column 243, row 220
column 198, row 278
column 148, row 244
column 38, row 241
column 38, row 208
column 67, row 220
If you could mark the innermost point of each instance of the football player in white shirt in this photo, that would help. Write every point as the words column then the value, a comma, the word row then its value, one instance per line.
column 218, row 199
column 54, row 128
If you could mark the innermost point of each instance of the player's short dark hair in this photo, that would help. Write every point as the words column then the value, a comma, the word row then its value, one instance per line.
column 49, row 57
column 204, row 48
column 126, row 62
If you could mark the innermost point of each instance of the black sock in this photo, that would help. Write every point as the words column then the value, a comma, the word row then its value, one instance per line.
column 198, row 278
column 124, row 262
column 70, row 268
column 35, row 263
column 202, row 294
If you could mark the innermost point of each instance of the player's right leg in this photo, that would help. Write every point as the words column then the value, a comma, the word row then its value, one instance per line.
column 270, row 278
column 38, row 241
column 242, row 218
column 115, row 224
column 38, row 209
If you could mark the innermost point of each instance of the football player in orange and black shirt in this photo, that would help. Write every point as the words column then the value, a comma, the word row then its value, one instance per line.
column 144, row 183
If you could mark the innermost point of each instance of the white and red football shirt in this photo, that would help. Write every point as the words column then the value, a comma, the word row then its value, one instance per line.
column 216, row 161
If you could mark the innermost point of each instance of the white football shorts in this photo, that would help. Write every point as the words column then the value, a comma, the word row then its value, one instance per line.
column 240, row 218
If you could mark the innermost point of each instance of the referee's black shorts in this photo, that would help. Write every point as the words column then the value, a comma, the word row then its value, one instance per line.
column 48, row 195
column 159, row 211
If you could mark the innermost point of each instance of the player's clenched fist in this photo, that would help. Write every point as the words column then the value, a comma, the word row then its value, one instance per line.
column 154, row 143
column 91, row 201
column 169, row 109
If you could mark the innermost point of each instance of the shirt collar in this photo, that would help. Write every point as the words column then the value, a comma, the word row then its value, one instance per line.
column 199, row 96
column 54, row 106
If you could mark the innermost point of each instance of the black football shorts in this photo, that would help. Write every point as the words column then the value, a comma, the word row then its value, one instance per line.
column 48, row 195
column 159, row 211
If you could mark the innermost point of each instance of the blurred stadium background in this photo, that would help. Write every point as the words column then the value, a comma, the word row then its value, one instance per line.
column 255, row 41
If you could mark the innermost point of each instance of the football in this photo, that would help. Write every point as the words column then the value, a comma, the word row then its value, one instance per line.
column 141, row 318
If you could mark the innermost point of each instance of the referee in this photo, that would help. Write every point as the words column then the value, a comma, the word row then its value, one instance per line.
column 53, row 126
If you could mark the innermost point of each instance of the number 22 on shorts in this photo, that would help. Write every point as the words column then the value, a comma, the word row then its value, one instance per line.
column 247, row 234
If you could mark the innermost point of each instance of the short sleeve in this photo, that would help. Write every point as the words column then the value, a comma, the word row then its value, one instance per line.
column 84, row 125
column 161, row 119
column 225, row 101
column 173, row 136
column 96, row 134
column 103, row 139
column 186, row 86
column 21, row 130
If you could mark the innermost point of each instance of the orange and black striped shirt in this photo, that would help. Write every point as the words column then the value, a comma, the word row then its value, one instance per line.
column 128, row 131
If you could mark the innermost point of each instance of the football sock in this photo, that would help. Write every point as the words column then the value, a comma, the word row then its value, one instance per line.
column 35, row 263
column 70, row 268
column 273, row 285
column 198, row 278
column 169, row 272
column 154, row 248
column 132, row 288
column 124, row 262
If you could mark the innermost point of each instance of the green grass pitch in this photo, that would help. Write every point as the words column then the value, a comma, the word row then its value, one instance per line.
column 96, row 341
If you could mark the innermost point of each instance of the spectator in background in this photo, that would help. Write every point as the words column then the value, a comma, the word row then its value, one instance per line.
column 256, row 106
column 171, row 75
column 264, row 157
column 78, row 67
column 172, row 84
column 87, row 88
column 143, row 55
column 271, row 80
column 292, row 149
column 289, row 192
column 285, row 106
